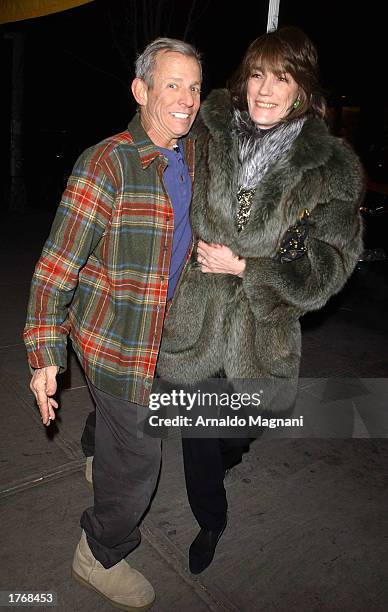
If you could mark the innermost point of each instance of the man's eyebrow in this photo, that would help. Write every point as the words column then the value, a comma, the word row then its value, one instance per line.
column 172, row 78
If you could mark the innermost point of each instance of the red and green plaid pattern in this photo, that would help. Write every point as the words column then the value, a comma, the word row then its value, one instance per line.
column 103, row 273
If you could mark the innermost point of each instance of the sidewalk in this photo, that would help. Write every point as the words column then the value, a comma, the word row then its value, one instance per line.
column 308, row 526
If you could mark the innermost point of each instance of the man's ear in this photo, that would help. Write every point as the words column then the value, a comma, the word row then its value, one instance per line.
column 140, row 91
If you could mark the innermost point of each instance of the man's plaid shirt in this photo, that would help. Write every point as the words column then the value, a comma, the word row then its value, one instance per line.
column 103, row 273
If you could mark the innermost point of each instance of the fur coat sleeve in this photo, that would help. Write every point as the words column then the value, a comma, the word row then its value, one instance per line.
column 334, row 241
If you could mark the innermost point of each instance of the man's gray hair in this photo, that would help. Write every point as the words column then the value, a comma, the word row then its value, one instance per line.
column 145, row 63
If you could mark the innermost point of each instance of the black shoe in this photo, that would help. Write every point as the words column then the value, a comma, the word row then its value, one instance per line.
column 202, row 549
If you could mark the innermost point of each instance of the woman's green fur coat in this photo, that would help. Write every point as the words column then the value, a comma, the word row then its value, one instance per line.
column 250, row 326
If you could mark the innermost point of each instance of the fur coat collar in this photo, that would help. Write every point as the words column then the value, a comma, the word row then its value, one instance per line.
column 273, row 211
column 259, row 149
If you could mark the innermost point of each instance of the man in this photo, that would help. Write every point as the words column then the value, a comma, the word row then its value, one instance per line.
column 117, row 247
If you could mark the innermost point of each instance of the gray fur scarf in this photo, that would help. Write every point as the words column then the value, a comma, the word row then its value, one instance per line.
column 259, row 149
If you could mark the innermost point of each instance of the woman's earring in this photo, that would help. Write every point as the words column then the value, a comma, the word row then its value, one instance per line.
column 296, row 103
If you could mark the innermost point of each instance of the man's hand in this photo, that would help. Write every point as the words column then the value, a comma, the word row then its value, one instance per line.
column 219, row 259
column 44, row 385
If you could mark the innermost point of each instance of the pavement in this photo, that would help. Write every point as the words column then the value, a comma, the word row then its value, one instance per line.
column 308, row 526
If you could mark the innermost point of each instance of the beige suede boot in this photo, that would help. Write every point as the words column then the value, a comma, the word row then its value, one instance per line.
column 124, row 586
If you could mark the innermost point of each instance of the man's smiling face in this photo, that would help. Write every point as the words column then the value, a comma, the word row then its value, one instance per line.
column 168, row 107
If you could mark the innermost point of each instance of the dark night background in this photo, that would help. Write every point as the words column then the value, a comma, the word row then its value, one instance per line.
column 308, row 516
column 78, row 65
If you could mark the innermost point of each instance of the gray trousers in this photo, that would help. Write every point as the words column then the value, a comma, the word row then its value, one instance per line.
column 125, row 472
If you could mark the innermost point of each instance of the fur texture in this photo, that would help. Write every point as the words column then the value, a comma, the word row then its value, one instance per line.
column 259, row 149
column 250, row 326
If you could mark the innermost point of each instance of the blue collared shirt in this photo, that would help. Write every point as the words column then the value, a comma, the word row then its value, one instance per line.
column 179, row 189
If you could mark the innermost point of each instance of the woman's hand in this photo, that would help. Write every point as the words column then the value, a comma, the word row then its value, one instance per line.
column 219, row 259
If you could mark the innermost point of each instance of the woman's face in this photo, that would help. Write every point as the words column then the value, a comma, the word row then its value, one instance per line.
column 270, row 97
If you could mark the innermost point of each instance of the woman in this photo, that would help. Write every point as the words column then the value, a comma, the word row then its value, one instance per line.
column 275, row 213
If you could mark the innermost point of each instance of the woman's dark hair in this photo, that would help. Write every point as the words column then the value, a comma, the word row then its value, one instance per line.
column 285, row 50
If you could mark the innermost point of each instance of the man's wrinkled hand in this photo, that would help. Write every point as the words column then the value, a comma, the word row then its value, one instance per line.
column 44, row 385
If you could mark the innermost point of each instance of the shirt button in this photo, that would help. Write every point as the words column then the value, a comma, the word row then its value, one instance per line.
column 147, row 383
